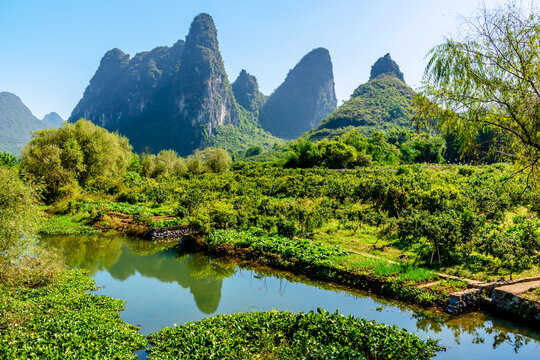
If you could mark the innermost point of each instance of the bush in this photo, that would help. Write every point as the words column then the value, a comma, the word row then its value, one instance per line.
column 217, row 160
column 19, row 214
column 8, row 160
column 75, row 152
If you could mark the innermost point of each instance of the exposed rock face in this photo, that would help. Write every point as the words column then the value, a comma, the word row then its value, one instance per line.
column 385, row 65
column 246, row 91
column 53, row 120
column 305, row 97
column 205, row 98
column 16, row 123
column 122, row 86
column 164, row 98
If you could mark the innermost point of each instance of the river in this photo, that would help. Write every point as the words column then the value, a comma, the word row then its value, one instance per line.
column 163, row 287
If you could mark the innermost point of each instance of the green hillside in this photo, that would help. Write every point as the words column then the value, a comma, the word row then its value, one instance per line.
column 382, row 103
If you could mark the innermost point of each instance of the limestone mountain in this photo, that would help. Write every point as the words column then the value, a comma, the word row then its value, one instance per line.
column 305, row 97
column 52, row 120
column 165, row 98
column 122, row 87
column 16, row 123
column 383, row 102
column 247, row 93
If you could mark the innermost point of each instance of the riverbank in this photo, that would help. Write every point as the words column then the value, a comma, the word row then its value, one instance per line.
column 429, row 290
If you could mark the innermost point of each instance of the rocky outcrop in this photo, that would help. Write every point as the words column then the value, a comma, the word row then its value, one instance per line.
column 385, row 101
column 247, row 93
column 385, row 65
column 305, row 97
column 204, row 98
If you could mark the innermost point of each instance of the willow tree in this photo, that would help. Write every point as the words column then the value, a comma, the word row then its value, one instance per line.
column 488, row 79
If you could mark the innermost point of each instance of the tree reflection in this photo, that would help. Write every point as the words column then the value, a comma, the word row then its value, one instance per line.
column 123, row 258
column 480, row 327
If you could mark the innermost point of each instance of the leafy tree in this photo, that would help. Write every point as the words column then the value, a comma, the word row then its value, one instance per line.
column 74, row 153
column 18, row 213
column 303, row 154
column 166, row 162
column 489, row 76
column 217, row 160
column 194, row 163
column 337, row 155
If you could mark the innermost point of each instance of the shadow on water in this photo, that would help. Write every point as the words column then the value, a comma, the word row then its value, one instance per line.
column 154, row 280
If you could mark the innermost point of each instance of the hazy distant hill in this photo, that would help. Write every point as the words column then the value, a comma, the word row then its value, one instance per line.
column 384, row 101
column 305, row 97
column 16, row 123
column 52, row 120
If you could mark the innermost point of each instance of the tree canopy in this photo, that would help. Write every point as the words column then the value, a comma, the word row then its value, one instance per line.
column 488, row 79
column 74, row 153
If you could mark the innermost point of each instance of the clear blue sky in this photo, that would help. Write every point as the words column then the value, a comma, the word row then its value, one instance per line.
column 50, row 49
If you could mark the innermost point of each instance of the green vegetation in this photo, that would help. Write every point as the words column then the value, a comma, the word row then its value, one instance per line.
column 8, row 160
column 45, row 312
column 382, row 102
column 74, row 155
column 283, row 335
column 62, row 320
column 302, row 250
column 19, row 215
column 487, row 79
column 238, row 138
column 352, row 149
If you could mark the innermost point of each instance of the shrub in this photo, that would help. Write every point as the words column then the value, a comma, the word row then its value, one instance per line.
column 74, row 153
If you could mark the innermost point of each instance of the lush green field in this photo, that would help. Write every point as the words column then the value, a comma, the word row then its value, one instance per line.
column 473, row 221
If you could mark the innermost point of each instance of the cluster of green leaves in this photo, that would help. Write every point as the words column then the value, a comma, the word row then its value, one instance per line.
column 73, row 155
column 64, row 225
column 284, row 335
column 19, row 214
column 167, row 162
column 168, row 222
column 303, row 250
column 353, row 149
column 62, row 320
column 8, row 160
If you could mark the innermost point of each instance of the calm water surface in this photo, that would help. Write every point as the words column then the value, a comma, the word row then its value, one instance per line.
column 163, row 287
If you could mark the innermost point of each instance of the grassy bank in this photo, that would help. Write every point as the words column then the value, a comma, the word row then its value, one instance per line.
column 329, row 263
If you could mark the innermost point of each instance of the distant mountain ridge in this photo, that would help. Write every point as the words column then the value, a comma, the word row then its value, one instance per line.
column 180, row 97
column 17, row 122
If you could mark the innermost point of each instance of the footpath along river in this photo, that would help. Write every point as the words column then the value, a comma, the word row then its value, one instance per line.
column 163, row 287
